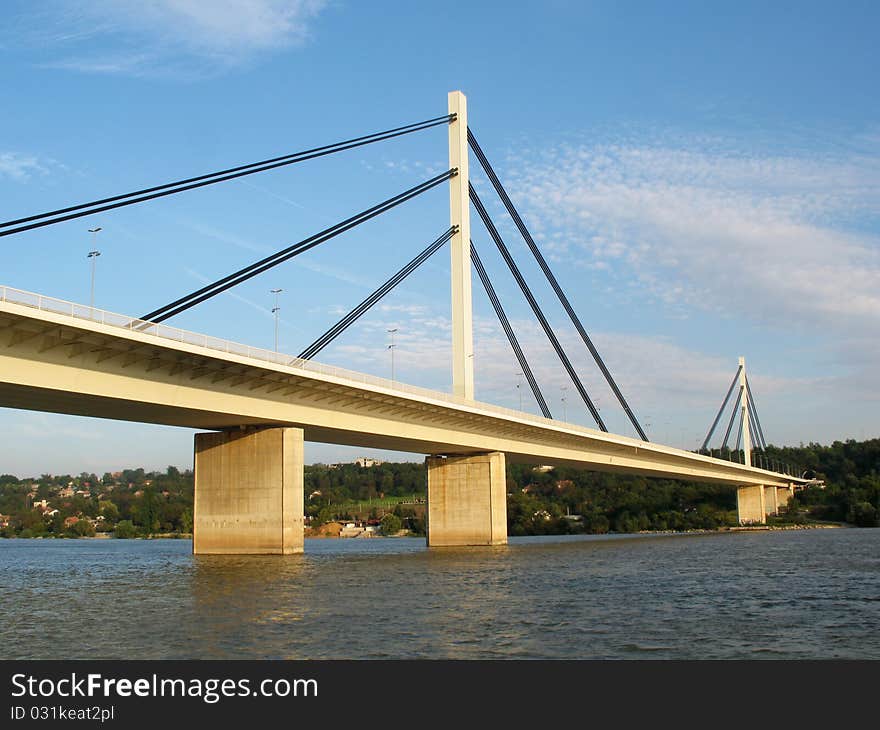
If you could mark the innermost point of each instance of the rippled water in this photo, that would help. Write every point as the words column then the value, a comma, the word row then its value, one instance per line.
column 793, row 594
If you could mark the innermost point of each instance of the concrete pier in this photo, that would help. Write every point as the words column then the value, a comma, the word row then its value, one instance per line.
column 783, row 496
column 467, row 500
column 750, row 505
column 248, row 492
column 771, row 504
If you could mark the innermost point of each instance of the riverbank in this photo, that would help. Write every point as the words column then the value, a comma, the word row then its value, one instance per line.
column 751, row 528
column 311, row 534
column 816, row 526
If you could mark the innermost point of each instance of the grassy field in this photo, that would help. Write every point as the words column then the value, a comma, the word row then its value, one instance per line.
column 386, row 503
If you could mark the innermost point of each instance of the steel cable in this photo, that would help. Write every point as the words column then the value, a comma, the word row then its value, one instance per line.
column 548, row 273
column 227, row 282
column 548, row 330
column 211, row 178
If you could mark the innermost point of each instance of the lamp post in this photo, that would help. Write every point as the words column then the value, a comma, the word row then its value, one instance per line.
column 93, row 255
column 392, row 347
column 519, row 391
column 275, row 311
column 564, row 411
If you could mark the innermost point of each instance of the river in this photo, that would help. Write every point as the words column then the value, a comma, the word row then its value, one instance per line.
column 801, row 594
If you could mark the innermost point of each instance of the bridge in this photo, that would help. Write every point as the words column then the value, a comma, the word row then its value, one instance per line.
column 257, row 407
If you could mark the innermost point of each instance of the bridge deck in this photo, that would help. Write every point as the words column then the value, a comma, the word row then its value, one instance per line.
column 63, row 357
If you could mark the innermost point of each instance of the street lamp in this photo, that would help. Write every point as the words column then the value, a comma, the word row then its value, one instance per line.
column 93, row 255
column 392, row 347
column 275, row 311
column 564, row 416
column 519, row 390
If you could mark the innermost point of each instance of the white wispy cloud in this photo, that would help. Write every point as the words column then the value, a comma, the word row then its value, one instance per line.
column 785, row 237
column 162, row 37
column 769, row 235
column 256, row 306
column 210, row 231
column 405, row 166
column 221, row 25
column 654, row 372
column 20, row 167
column 110, row 64
column 404, row 309
column 670, row 386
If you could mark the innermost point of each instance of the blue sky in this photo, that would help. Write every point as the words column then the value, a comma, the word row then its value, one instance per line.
column 704, row 177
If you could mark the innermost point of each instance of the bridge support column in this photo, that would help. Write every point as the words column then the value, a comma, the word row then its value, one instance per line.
column 248, row 492
column 771, row 504
column 467, row 500
column 750, row 505
column 783, row 496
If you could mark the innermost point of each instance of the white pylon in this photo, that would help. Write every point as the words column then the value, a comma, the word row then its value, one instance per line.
column 744, row 413
column 460, row 245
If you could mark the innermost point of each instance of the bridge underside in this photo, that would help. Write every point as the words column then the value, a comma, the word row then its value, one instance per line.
column 102, row 406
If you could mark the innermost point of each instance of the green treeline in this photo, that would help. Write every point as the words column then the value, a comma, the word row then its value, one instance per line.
column 131, row 503
column 339, row 483
column 851, row 470
column 540, row 500
column 565, row 500
column 544, row 502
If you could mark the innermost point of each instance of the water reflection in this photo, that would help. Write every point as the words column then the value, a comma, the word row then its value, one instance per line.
column 234, row 595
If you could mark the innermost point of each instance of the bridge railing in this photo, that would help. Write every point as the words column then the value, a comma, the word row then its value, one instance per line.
column 167, row 332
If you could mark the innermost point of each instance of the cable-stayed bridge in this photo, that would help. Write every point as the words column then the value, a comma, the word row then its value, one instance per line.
column 259, row 406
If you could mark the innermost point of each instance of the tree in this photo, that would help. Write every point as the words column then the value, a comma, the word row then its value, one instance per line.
column 125, row 530
column 391, row 524
column 862, row 514
column 83, row 528
column 148, row 511
column 323, row 516
column 186, row 520
column 109, row 510
column 32, row 521
column 56, row 524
